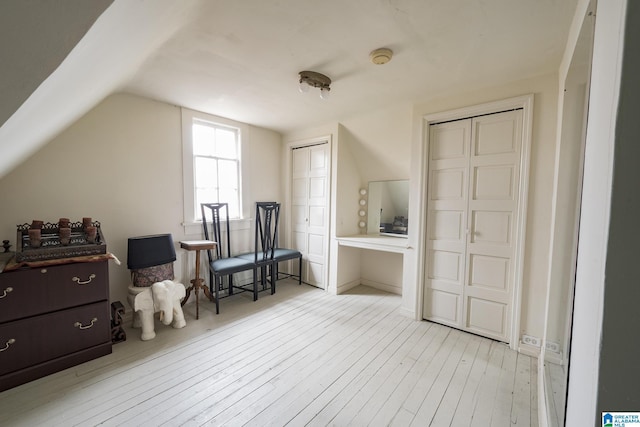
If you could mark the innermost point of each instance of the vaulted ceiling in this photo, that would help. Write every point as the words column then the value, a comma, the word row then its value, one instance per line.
column 240, row 59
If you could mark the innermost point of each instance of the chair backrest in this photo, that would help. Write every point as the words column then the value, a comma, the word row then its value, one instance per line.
column 216, row 228
column 266, row 231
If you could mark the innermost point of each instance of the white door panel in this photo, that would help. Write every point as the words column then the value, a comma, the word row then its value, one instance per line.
column 493, row 182
column 446, row 266
column 445, row 308
column 317, row 216
column 316, row 245
column 319, row 161
column 471, row 224
column 491, row 227
column 450, row 142
column 448, row 184
column 446, row 225
column 298, row 215
column 496, row 134
column 314, row 273
column 300, row 163
column 489, row 272
column 299, row 189
column 487, row 318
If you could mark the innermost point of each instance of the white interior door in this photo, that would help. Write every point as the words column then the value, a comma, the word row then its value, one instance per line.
column 474, row 167
column 446, row 221
column 310, row 210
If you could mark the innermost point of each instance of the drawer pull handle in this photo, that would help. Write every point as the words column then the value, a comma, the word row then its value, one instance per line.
column 7, row 344
column 6, row 291
column 77, row 279
column 80, row 326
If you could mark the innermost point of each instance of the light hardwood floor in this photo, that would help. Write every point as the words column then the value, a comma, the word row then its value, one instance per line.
column 299, row 357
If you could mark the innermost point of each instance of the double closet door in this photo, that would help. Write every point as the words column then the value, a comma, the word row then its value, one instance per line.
column 310, row 210
column 472, row 216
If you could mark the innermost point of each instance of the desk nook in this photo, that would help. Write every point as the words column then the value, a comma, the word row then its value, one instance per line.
column 375, row 257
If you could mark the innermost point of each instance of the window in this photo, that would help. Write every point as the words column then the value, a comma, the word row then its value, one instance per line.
column 212, row 153
column 216, row 166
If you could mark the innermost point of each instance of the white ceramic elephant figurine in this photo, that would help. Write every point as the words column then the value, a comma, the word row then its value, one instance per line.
column 164, row 297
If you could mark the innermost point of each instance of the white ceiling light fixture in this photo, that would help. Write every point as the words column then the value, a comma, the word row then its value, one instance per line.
column 381, row 56
column 312, row 79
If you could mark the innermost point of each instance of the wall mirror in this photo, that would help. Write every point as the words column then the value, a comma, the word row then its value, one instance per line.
column 388, row 208
column 557, row 337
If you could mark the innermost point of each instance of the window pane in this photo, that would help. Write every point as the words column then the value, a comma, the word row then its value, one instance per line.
column 206, row 195
column 226, row 145
column 228, row 173
column 203, row 140
column 230, row 196
column 206, row 173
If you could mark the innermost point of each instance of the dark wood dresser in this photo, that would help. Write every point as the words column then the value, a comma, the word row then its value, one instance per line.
column 52, row 318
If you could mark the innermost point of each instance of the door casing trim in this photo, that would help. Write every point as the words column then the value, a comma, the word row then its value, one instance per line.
column 290, row 146
column 526, row 103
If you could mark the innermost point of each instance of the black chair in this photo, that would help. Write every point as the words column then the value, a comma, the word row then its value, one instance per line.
column 285, row 254
column 223, row 264
column 263, row 255
column 267, row 254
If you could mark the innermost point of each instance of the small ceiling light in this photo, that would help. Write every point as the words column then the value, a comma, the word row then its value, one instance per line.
column 381, row 56
column 313, row 79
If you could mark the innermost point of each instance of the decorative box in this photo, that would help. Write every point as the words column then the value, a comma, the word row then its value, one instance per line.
column 52, row 248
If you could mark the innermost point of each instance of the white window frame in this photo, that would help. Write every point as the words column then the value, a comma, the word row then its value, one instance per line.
column 190, row 224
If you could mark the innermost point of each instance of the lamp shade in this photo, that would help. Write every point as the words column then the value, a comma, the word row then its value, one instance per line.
column 149, row 251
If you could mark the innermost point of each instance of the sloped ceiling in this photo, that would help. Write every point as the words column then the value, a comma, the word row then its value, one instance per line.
column 33, row 43
column 240, row 59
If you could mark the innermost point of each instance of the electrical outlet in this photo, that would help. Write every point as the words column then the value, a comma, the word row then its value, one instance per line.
column 553, row 346
column 528, row 339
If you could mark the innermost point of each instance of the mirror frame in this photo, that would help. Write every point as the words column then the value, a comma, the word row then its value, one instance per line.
column 556, row 341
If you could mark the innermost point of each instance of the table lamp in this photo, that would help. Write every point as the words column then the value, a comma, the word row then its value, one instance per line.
column 150, row 259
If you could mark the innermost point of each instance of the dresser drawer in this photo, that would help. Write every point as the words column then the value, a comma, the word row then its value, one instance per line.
column 30, row 341
column 25, row 293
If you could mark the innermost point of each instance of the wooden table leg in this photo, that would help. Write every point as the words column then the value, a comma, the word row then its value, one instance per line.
column 196, row 285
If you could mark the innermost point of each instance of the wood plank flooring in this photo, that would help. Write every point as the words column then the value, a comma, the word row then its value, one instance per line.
column 299, row 357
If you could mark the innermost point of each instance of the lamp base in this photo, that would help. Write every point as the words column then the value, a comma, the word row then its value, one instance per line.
column 145, row 277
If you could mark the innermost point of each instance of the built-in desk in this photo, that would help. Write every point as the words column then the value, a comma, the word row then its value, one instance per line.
column 375, row 242
column 371, row 260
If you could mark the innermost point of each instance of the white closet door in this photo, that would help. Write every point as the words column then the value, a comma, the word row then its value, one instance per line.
column 447, row 218
column 310, row 210
column 472, row 217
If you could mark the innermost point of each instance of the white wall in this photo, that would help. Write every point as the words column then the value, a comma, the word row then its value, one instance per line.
column 381, row 270
column 381, row 143
column 121, row 164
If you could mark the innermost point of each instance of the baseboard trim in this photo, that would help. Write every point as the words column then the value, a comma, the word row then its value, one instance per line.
column 347, row 286
column 410, row 314
column 529, row 350
column 382, row 286
column 553, row 357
